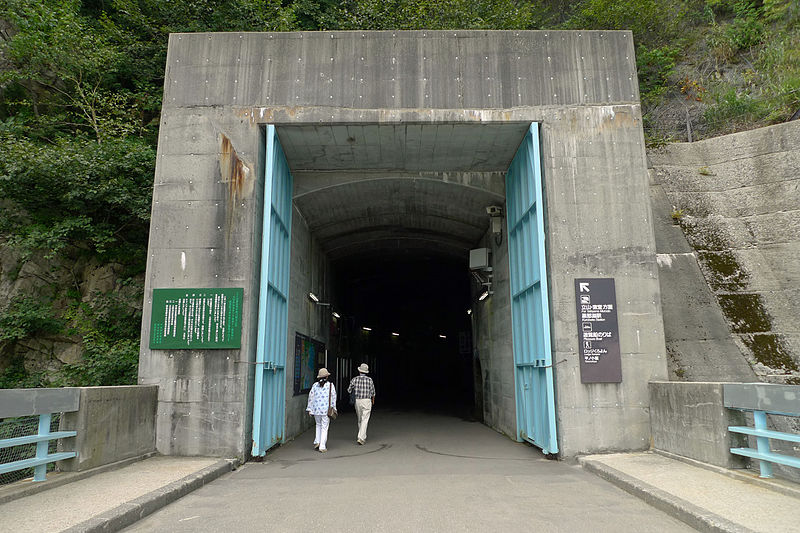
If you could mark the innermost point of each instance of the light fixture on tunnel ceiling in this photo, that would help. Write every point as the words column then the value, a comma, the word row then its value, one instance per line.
column 365, row 328
column 313, row 298
column 442, row 336
column 395, row 334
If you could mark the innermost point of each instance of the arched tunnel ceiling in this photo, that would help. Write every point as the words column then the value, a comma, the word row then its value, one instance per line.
column 396, row 203
column 397, row 216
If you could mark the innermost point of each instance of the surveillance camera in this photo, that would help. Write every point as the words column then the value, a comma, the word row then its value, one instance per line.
column 494, row 211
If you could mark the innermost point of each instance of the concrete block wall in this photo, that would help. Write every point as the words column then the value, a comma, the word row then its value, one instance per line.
column 739, row 197
column 113, row 423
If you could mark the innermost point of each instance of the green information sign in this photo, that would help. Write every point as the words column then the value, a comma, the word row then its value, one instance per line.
column 196, row 319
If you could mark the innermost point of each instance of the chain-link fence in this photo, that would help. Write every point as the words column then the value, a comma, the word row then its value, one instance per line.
column 23, row 426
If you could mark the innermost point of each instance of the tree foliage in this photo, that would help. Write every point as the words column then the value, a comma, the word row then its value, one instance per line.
column 81, row 84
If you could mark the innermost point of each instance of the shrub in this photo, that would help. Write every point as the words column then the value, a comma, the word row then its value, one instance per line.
column 653, row 22
column 655, row 66
column 26, row 316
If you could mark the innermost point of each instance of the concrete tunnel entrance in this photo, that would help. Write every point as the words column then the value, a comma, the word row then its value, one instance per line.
column 419, row 338
column 396, row 208
column 397, row 143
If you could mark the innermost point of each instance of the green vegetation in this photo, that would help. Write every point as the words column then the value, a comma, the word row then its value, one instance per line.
column 80, row 97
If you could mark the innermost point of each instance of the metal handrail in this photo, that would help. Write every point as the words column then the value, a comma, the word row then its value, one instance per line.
column 44, row 403
column 755, row 398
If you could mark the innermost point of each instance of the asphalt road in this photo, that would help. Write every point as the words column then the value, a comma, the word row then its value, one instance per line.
column 417, row 472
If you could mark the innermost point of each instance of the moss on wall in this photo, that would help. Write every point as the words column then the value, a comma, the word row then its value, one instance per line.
column 769, row 349
column 745, row 312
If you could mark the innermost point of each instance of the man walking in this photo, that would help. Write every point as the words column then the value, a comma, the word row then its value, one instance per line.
column 364, row 390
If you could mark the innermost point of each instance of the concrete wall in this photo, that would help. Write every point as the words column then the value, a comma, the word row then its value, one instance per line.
column 697, row 335
column 310, row 273
column 600, row 225
column 492, row 325
column 580, row 85
column 740, row 199
column 204, row 232
column 689, row 419
column 113, row 423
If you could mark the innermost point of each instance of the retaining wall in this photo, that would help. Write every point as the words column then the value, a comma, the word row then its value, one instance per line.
column 113, row 423
column 688, row 419
column 732, row 292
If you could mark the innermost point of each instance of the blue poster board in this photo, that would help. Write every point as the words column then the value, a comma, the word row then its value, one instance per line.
column 309, row 355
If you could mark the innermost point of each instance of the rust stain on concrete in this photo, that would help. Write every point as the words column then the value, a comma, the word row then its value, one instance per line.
column 232, row 169
column 237, row 174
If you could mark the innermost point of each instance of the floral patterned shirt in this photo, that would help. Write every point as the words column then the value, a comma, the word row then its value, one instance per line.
column 318, row 398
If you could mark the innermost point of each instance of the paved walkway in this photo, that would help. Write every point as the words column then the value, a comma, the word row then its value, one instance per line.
column 704, row 496
column 106, row 497
column 417, row 472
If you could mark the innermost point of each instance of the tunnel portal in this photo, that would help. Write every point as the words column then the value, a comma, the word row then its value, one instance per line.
column 393, row 144
column 397, row 208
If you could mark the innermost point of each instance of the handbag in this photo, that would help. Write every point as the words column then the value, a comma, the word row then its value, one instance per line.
column 332, row 414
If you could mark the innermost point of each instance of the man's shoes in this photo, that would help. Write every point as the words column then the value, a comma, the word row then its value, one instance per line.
column 322, row 451
column 316, row 446
column 360, row 442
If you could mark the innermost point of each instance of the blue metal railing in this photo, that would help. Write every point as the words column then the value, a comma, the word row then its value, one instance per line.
column 41, row 402
column 762, row 399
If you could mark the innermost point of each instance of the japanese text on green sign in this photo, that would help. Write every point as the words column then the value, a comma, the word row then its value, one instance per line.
column 196, row 319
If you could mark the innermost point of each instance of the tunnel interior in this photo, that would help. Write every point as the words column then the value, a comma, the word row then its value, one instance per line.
column 396, row 208
column 418, row 344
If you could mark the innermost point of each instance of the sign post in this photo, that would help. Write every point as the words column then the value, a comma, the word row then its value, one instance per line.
column 598, row 331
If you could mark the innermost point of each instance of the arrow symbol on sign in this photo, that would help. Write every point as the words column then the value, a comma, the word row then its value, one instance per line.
column 584, row 287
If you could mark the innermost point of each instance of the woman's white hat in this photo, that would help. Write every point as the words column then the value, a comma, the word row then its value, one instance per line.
column 323, row 373
column 363, row 368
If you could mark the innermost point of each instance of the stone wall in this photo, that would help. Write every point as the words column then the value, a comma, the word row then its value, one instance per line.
column 732, row 292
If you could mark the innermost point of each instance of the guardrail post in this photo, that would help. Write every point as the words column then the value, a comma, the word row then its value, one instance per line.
column 40, row 471
column 762, row 443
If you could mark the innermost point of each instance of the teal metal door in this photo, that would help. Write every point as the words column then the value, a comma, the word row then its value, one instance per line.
column 270, row 376
column 533, row 362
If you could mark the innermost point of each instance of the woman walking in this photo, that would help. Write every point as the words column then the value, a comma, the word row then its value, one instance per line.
column 320, row 399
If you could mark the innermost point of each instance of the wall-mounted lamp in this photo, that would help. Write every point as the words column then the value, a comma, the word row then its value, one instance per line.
column 469, row 311
column 313, row 298
column 442, row 336
column 395, row 334
column 365, row 328
column 483, row 295
column 336, row 315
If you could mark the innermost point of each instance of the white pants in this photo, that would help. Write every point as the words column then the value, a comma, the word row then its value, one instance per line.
column 363, row 410
column 321, row 437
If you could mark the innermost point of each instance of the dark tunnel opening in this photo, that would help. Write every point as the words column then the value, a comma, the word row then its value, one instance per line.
column 419, row 341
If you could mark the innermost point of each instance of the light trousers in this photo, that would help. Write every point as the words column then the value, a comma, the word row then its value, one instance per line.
column 321, row 436
column 363, row 410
